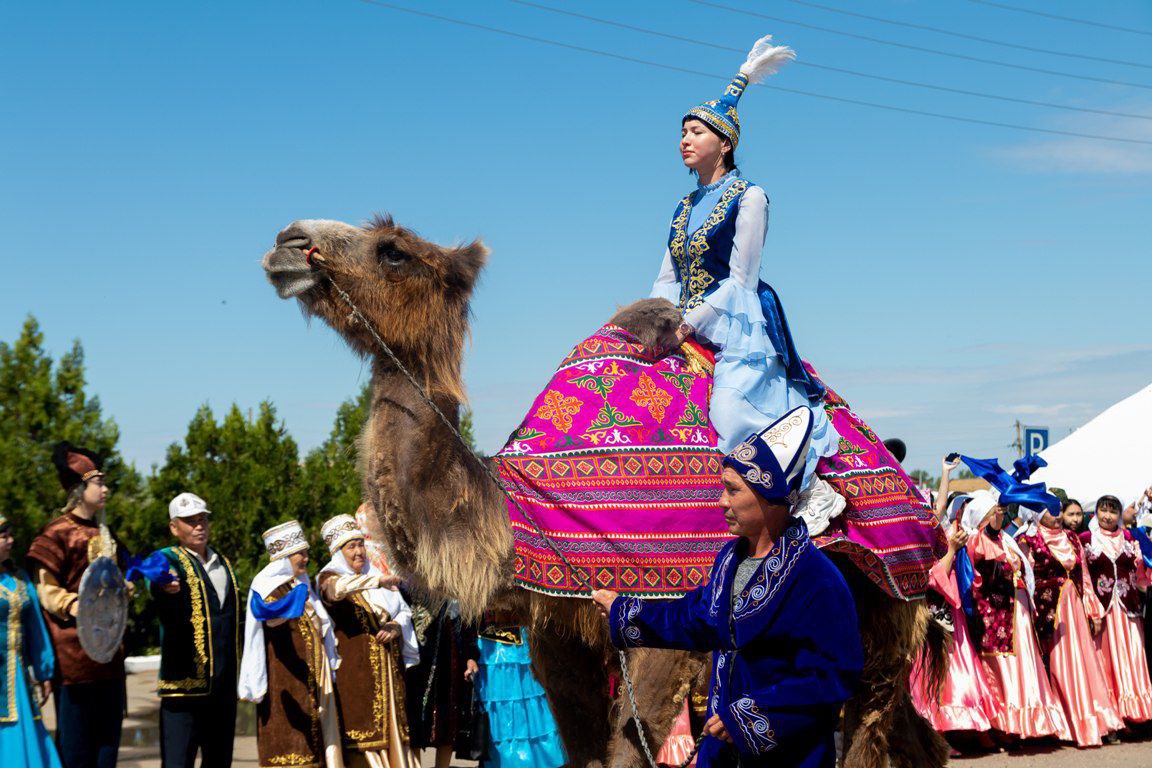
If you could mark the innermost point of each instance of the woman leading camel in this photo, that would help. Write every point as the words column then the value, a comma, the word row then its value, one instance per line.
column 711, row 271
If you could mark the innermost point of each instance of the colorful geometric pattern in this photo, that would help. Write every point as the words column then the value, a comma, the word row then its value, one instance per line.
column 617, row 462
column 887, row 530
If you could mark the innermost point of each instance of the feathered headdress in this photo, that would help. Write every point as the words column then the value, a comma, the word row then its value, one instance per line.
column 763, row 60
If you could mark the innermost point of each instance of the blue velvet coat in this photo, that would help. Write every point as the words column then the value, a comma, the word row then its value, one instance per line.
column 786, row 653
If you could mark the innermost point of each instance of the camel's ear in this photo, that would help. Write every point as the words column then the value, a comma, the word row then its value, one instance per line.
column 465, row 264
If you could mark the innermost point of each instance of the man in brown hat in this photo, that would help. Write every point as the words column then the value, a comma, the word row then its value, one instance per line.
column 89, row 696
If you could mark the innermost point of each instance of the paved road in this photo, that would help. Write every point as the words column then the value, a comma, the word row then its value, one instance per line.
column 140, row 742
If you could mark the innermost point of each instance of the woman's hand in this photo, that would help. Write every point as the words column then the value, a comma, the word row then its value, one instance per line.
column 683, row 332
column 958, row 538
column 388, row 632
column 471, row 669
column 946, row 466
column 604, row 599
column 390, row 581
column 715, row 727
column 45, row 691
column 1097, row 626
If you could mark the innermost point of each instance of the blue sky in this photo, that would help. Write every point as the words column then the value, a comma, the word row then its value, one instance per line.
column 946, row 278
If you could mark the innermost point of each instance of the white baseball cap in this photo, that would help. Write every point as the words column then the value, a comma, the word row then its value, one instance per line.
column 187, row 505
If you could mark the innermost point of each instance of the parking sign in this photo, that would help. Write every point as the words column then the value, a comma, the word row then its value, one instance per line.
column 1035, row 440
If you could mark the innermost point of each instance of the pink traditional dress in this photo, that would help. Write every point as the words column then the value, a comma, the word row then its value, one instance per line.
column 1117, row 571
column 965, row 703
column 680, row 741
column 1065, row 639
column 1009, row 652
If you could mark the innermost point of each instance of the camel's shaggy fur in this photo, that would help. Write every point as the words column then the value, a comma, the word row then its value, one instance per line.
column 445, row 523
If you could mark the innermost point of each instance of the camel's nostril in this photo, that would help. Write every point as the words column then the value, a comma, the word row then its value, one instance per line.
column 293, row 237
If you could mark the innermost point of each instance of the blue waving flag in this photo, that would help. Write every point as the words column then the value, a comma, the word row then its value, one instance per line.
column 291, row 606
column 155, row 568
column 1012, row 488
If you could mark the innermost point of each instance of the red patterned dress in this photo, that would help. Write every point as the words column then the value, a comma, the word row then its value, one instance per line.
column 1065, row 639
column 1006, row 641
column 1118, row 574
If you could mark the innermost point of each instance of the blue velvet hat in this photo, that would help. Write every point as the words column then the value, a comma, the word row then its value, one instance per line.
column 772, row 460
column 764, row 59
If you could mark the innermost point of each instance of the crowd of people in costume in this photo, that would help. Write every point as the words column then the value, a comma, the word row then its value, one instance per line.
column 1046, row 620
column 1045, row 602
column 343, row 671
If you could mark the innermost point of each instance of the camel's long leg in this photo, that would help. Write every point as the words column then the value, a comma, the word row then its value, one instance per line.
column 880, row 722
column 662, row 681
column 576, row 681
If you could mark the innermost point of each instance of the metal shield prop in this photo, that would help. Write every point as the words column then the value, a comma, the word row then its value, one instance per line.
column 102, row 610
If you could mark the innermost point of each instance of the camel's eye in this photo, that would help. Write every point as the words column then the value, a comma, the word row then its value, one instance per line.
column 390, row 255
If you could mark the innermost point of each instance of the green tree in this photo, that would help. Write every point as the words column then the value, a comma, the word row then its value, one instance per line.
column 330, row 483
column 41, row 403
column 244, row 467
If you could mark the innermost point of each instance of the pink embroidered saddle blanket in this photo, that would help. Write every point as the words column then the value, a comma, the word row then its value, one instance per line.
column 616, row 461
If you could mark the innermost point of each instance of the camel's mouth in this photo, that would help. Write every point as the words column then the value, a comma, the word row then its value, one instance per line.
column 288, row 270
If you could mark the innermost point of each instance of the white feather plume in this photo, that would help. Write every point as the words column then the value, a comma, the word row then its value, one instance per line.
column 766, row 59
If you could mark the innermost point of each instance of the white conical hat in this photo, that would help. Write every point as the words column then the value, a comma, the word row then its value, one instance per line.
column 772, row 460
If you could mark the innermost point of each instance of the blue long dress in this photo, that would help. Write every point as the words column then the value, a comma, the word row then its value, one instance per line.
column 786, row 651
column 24, row 742
column 711, row 271
column 522, row 729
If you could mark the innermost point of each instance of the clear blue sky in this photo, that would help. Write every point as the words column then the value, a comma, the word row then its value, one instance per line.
column 946, row 278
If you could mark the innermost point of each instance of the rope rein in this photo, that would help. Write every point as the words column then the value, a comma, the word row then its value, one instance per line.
column 577, row 573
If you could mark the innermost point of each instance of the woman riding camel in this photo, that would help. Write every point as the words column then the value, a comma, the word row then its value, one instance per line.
column 711, row 271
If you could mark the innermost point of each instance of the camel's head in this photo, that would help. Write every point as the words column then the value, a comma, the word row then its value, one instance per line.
column 414, row 293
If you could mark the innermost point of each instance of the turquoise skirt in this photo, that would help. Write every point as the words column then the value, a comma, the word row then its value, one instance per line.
column 523, row 731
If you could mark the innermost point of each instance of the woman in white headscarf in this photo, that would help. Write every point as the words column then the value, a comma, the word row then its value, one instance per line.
column 289, row 659
column 965, row 703
column 1005, row 638
column 1061, row 593
column 373, row 625
column 1118, row 575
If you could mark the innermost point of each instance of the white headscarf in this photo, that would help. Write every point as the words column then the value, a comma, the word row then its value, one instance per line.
column 981, row 504
column 388, row 601
column 954, row 507
column 253, row 682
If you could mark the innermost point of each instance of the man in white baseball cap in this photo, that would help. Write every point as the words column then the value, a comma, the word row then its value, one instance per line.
column 198, row 606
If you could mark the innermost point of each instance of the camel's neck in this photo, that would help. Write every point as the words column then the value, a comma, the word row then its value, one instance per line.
column 443, row 517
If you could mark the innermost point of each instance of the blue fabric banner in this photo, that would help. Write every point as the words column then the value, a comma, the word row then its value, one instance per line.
column 291, row 606
column 155, row 568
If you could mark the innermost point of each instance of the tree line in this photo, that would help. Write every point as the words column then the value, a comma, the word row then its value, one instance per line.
column 246, row 466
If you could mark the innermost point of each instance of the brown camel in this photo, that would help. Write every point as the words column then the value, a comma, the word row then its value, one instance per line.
column 445, row 523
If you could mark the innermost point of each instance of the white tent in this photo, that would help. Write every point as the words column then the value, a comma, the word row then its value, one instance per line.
column 1112, row 453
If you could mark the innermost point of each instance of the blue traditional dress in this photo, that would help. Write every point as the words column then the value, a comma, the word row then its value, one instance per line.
column 522, row 729
column 711, row 271
column 24, row 742
column 786, row 650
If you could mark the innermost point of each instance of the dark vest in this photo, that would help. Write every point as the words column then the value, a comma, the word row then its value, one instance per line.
column 995, row 600
column 702, row 259
column 199, row 637
column 366, row 701
column 1051, row 578
column 288, row 731
column 1114, row 580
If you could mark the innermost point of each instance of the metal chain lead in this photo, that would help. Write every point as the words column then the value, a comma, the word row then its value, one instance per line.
column 577, row 573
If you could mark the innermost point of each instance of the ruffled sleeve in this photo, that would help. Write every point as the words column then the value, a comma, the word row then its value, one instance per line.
column 733, row 310
column 941, row 579
column 666, row 285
